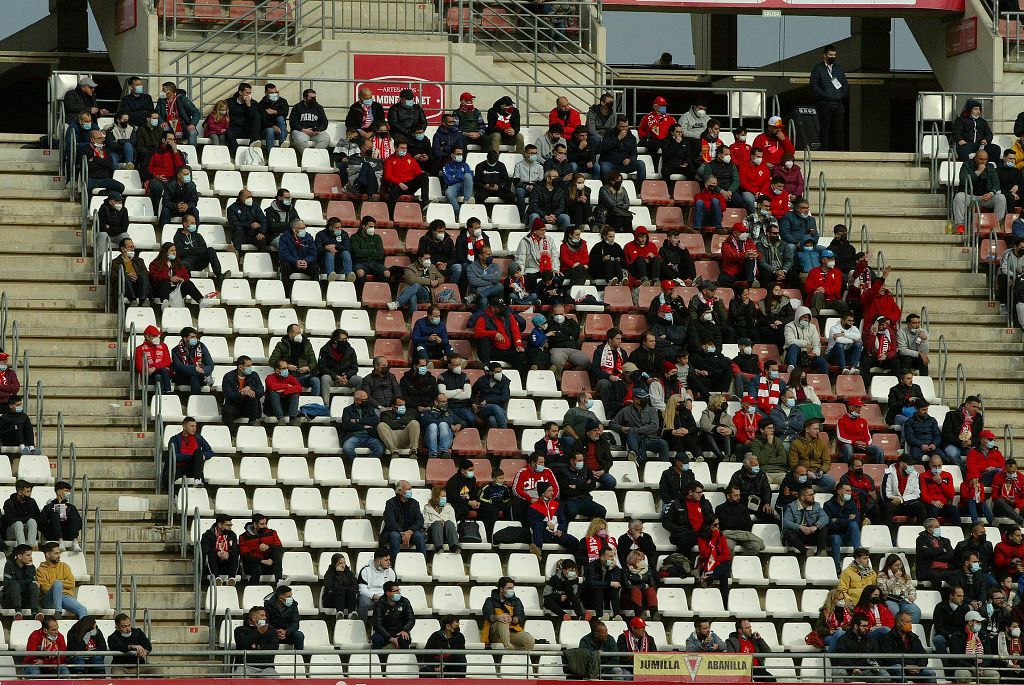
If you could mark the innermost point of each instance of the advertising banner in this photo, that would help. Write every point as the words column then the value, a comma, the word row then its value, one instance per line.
column 387, row 75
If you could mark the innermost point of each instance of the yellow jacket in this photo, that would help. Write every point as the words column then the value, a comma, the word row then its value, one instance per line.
column 852, row 583
column 812, row 454
column 48, row 573
column 1019, row 150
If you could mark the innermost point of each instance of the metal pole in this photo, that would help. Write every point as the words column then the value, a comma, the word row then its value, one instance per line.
column 39, row 413
column 118, row 574
column 96, row 545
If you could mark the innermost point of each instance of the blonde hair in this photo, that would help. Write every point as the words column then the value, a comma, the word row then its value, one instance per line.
column 635, row 556
column 671, row 407
column 572, row 190
column 716, row 402
column 595, row 526
column 435, row 496
column 830, row 601
column 216, row 109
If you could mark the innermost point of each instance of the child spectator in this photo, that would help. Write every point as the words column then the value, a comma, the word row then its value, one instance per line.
column 217, row 123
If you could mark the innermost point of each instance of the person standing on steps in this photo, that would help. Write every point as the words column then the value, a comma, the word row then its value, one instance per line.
column 828, row 81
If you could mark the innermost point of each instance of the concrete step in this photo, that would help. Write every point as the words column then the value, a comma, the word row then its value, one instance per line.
column 839, row 183
column 50, row 235
column 85, row 349
column 843, row 172
column 865, row 211
column 39, row 323
column 53, row 267
column 891, row 159
column 873, row 197
column 78, row 274
column 958, row 338
column 888, row 238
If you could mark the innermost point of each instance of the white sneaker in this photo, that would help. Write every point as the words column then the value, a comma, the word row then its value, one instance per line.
column 1002, row 309
column 75, row 547
column 392, row 306
column 332, row 277
column 206, row 302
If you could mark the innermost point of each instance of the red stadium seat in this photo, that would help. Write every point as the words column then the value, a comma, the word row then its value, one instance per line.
column 575, row 382
column 510, row 467
column 379, row 212
column 439, row 471
column 988, row 222
column 837, row 470
column 412, row 238
column 497, row 20
column 208, row 10
column 467, row 443
column 328, row 187
column 409, row 215
column 655, row 193
column 457, row 20
column 455, row 296
column 632, row 325
column 618, row 298
column 473, row 374
column 716, row 243
column 890, row 444
column 822, row 386
column 873, row 413
column 396, row 260
column 685, row 292
column 398, row 372
column 765, row 352
column 595, row 326
column 456, row 323
column 707, row 270
column 876, row 471
column 850, row 386
column 732, row 215
column 987, row 254
column 645, row 295
column 344, row 210
column 793, row 294
column 278, row 11
column 463, row 348
column 588, row 348
column 501, row 442
column 391, row 349
column 389, row 324
column 173, row 9
column 832, row 411
column 376, row 295
column 684, row 191
column 758, row 294
column 1007, row 228
column 243, row 8
column 726, row 295
column 694, row 242
column 669, row 218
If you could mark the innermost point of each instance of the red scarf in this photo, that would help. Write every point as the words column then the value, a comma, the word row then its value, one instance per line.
column 634, row 644
column 172, row 115
column 367, row 116
column 768, row 393
column 834, row 621
column 544, row 263
column 749, row 424
column 965, row 427
column 382, row 147
column 974, row 644
column 99, row 152
column 595, row 544
column 193, row 353
column 883, row 341
column 611, row 361
column 222, row 543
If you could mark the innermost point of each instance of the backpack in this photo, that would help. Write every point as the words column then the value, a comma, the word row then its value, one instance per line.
column 469, row 531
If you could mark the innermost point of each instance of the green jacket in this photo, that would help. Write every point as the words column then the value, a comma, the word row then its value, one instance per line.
column 283, row 350
column 773, row 457
column 367, row 248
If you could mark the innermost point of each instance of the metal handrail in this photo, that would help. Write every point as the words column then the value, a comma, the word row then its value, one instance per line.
column 992, row 262
column 39, row 412
column 961, row 383
column 943, row 366
column 212, row 613
column 196, row 565
column 118, row 575
column 951, row 184
column 822, row 198
column 171, row 503
column 85, row 513
column 924, row 317
column 880, row 260
column 60, row 443
column 847, row 212
column 26, row 368
column 133, row 589
column 147, row 621
column 865, row 239
column 96, row 549
column 898, row 292
column 1011, row 301
column 3, row 319
column 1007, row 441
column 15, row 339
column 73, row 453
column 807, row 166
column 158, row 432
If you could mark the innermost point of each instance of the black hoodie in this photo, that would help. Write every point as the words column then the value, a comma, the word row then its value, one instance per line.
column 494, row 113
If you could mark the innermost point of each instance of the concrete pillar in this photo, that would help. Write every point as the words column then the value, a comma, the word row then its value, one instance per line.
column 873, row 38
column 714, row 41
column 72, row 23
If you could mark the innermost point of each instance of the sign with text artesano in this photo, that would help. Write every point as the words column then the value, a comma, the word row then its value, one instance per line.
column 797, row 6
column 693, row 668
column 388, row 75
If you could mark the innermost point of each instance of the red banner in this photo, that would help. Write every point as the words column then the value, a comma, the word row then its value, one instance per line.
column 795, row 6
column 387, row 75
column 962, row 36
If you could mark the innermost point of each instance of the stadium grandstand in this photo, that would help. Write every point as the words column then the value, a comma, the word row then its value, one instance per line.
column 403, row 339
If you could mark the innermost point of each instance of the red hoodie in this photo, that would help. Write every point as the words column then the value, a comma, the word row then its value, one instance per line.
column 568, row 126
column 164, row 162
column 655, row 125
column 876, row 304
column 163, row 271
column 734, row 255
column 711, row 553
column 967, row 493
column 832, row 282
column 1010, row 490
column 774, row 148
column 528, row 479
column 401, row 169
column 780, row 204
column 634, row 250
column 937, row 492
column 706, row 196
column 289, row 385
column 1005, row 554
column 756, row 179
column 568, row 258
column 147, row 354
column 850, row 430
column 740, row 153
column 978, row 461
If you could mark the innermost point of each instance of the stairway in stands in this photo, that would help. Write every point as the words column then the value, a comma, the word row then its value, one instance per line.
column 69, row 341
column 908, row 224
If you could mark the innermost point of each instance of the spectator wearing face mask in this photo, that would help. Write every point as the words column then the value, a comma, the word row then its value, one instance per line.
column 853, row 436
column 654, row 128
column 921, row 434
column 297, row 252
column 217, row 123
column 193, row 251
column 739, row 258
column 119, row 142
column 791, row 173
column 937, row 492
column 913, row 344
column 308, row 122
column 708, row 205
column 1007, row 488
column 191, row 361
column 135, row 274
column 283, row 616
column 803, row 345
column 15, row 426
column 100, row 163
column 152, row 359
column 335, row 249
column 798, row 225
column 112, row 216
column 337, row 365
column 901, row 496
column 781, row 201
column 725, row 169
column 403, row 176
column 421, row 150
column 421, row 277
column 709, row 142
column 136, row 103
column 163, row 165
column 491, row 179
column 582, row 153
column 273, row 110
column 181, row 197
column 755, row 179
column 439, row 245
column 248, row 223
column 457, row 179
column 694, row 122
column 880, row 348
column 824, row 286
column 147, row 140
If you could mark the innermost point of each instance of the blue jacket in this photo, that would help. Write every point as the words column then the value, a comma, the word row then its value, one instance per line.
column 233, row 392
column 536, row 339
column 787, row 428
column 795, row 229
column 919, row 431
column 423, row 329
column 445, row 141
column 291, row 253
column 839, row 513
column 241, row 216
column 453, row 172
column 497, row 393
column 185, row 366
column 821, row 82
column 402, row 515
column 807, row 259
column 203, row 448
column 326, row 237
column 793, row 517
column 355, row 417
column 433, row 415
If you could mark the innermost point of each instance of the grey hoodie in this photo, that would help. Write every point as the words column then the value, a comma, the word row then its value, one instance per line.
column 645, row 421
column 806, row 339
column 693, row 124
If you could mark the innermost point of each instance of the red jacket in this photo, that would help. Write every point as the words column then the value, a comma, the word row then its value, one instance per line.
column 1010, row 490
column 487, row 326
column 401, row 169
column 932, row 491
column 876, row 304
column 568, row 258
column 874, row 342
column 711, row 553
column 567, row 126
column 528, row 479
column 162, row 271
column 9, row 385
column 740, row 153
column 166, row 163
column 288, row 385
column 780, row 204
column 746, row 426
column 706, row 196
column 249, row 542
column 774, row 148
column 655, row 125
column 37, row 644
column 635, row 250
column 756, row 179
column 147, row 355
column 832, row 282
column 878, row 615
column 967, row 493
column 978, row 461
column 734, row 255
column 1005, row 554
column 850, row 430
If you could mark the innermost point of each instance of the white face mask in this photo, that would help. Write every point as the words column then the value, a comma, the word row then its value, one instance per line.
column 129, row 254
column 727, row 159
column 789, row 164
column 247, row 202
column 756, row 160
column 369, row 230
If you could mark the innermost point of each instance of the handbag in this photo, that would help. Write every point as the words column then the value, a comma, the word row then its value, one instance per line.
column 814, row 640
column 469, row 531
column 175, row 298
column 599, row 217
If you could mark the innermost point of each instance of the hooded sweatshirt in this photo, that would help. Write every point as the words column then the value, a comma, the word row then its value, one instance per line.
column 969, row 129
column 805, row 337
column 693, row 122
column 634, row 250
column 498, row 121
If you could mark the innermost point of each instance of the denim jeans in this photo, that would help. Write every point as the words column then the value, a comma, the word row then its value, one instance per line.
column 563, row 221
column 487, row 292
column 465, row 415
column 715, row 214
column 746, row 200
column 903, row 605
column 269, row 135
column 641, row 444
column 607, row 481
column 125, row 156
column 166, row 216
column 494, row 416
column 277, row 401
column 793, row 356
column 872, row 454
column 638, row 166
column 453, row 274
column 413, row 296
column 417, row 542
column 439, row 438
column 56, row 599
column 952, row 454
column 979, row 509
column 463, row 188
column 831, row 640
column 354, row 442
column 37, row 670
column 846, row 356
column 850, row 538
column 310, row 380
column 331, row 260
column 824, row 484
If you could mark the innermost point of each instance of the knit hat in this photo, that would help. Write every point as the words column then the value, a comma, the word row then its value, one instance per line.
column 542, row 487
column 538, row 320
column 538, row 223
column 591, row 424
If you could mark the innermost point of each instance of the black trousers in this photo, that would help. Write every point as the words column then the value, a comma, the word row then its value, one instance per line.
column 254, row 568
column 200, row 262
column 794, row 538
column 312, row 270
column 393, row 192
column 832, row 122
column 162, row 290
column 596, row 599
column 248, row 408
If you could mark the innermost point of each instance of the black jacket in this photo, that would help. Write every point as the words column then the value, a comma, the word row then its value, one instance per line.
column 279, row 219
column 247, row 637
column 975, row 585
column 233, row 391
column 308, row 116
column 645, row 543
column 901, row 396
column 345, row 364
column 15, row 511
column 208, row 542
column 49, row 518
column 544, row 200
column 672, row 485
column 949, row 621
column 190, row 244
column 77, row 101
column 485, row 174
column 732, row 644
column 418, row 391
column 241, row 216
column 439, row 250
column 402, row 515
column 113, row 222
column 598, row 576
column 614, row 150
column 78, row 644
column 176, row 192
column 983, row 549
column 335, row 583
column 354, row 118
column 846, row 254
column 404, row 120
column 460, row 491
column 602, row 450
column 280, row 616
column 99, row 167
column 676, row 520
column 679, row 263
column 734, row 516
column 903, row 644
column 675, row 156
column 575, row 485
column 968, row 129
column 648, row 361
column 565, row 334
column 850, row 643
column 16, row 429
column 492, row 115
column 752, row 484
column 954, row 420
column 462, row 246
column 116, row 642
column 453, row 664
column 270, row 120
column 137, row 107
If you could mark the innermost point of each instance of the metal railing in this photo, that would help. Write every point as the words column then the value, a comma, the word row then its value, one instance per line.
column 865, row 239
column 935, row 109
column 4, row 314
column 880, row 261
column 961, row 383
column 807, row 165
column 118, row 575
column 822, row 198
column 847, row 213
column 897, row 291
column 39, row 412
column 1013, row 35
column 943, row 366
column 96, row 542
column 1007, row 441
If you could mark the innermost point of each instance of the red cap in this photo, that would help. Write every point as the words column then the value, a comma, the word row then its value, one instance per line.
column 151, row 330
column 738, row 226
column 668, row 285
column 637, row 622
column 467, row 96
column 983, row 434
column 4, row 356
column 855, row 402
column 658, row 101
column 748, row 399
